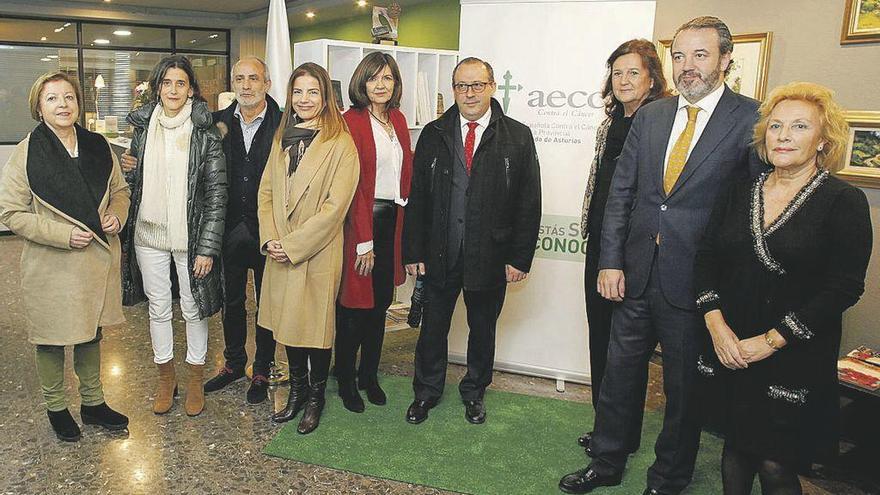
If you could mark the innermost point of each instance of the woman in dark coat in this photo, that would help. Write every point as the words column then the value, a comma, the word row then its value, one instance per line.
column 178, row 209
column 634, row 79
column 372, row 263
column 782, row 258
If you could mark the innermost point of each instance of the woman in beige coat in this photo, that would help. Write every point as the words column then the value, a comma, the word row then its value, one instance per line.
column 305, row 192
column 63, row 192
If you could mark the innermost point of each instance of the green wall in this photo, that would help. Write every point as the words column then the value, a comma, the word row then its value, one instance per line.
column 431, row 24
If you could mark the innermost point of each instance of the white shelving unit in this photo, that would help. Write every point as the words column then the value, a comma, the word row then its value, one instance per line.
column 340, row 58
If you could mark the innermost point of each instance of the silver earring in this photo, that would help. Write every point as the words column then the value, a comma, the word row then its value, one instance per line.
column 820, row 147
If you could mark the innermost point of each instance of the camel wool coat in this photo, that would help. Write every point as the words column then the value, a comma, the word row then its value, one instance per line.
column 298, row 298
column 67, row 293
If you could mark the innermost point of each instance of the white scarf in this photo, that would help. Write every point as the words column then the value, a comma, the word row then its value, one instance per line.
column 166, row 174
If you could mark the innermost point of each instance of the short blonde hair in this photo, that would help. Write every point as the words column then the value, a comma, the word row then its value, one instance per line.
column 37, row 88
column 835, row 130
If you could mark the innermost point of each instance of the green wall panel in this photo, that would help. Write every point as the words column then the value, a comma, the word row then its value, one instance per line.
column 433, row 24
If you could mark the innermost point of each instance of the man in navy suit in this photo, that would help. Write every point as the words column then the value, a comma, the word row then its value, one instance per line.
column 680, row 154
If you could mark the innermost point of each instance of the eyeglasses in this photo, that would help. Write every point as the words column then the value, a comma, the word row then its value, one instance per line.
column 463, row 88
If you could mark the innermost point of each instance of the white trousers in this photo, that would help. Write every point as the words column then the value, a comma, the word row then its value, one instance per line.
column 155, row 267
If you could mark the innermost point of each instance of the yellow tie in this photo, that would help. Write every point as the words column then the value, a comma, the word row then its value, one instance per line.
column 678, row 156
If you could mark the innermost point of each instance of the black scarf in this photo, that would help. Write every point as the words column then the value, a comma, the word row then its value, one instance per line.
column 298, row 139
column 74, row 186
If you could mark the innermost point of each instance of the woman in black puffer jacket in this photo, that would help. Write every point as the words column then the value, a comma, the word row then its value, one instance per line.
column 178, row 207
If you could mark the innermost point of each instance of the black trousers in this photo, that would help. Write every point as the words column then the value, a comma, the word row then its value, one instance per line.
column 432, row 348
column 241, row 252
column 638, row 323
column 364, row 329
column 598, row 318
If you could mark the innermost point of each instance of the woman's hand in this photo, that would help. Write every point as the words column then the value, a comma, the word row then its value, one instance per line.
column 110, row 224
column 724, row 341
column 202, row 266
column 80, row 238
column 755, row 349
column 276, row 252
column 363, row 265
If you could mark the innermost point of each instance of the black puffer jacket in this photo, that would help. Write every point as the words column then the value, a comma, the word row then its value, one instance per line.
column 503, row 210
column 205, row 210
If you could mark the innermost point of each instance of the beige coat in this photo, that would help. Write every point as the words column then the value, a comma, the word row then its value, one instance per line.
column 67, row 293
column 298, row 301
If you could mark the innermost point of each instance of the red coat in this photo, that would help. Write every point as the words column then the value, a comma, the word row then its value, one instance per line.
column 357, row 291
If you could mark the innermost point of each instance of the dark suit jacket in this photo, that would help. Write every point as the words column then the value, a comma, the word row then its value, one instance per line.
column 638, row 209
column 501, row 206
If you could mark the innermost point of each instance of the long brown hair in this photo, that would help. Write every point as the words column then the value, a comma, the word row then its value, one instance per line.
column 648, row 53
column 329, row 119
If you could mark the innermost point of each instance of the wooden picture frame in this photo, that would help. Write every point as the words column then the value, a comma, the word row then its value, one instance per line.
column 861, row 25
column 751, row 61
column 862, row 162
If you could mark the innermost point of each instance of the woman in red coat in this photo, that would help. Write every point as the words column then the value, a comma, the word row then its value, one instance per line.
column 372, row 263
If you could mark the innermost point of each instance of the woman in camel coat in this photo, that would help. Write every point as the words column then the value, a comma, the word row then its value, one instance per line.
column 305, row 193
column 62, row 191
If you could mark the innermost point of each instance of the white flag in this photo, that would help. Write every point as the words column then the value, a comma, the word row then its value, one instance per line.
column 278, row 51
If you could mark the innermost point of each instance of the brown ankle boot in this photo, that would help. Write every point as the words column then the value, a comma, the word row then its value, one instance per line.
column 195, row 390
column 166, row 387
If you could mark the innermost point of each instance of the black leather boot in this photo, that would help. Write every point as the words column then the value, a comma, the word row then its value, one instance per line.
column 64, row 425
column 312, row 417
column 102, row 415
column 351, row 399
column 299, row 394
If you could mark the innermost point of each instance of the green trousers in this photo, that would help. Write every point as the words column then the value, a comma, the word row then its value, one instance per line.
column 86, row 364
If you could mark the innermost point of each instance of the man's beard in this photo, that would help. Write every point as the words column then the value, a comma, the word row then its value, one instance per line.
column 700, row 87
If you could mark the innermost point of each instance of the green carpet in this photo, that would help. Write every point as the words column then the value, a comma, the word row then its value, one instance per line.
column 525, row 446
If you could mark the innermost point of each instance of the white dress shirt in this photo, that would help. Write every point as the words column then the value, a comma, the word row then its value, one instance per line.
column 389, row 162
column 482, row 122
column 707, row 107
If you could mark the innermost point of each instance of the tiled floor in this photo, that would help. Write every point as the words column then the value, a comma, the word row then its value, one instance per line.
column 217, row 452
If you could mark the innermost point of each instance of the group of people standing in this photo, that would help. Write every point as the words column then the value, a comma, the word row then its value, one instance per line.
column 310, row 199
column 710, row 221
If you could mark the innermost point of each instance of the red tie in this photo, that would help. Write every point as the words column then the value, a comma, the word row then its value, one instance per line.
column 469, row 141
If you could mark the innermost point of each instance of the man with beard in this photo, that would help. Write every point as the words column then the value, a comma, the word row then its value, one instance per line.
column 680, row 154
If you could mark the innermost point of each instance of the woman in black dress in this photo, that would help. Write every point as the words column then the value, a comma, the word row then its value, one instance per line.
column 782, row 258
column 634, row 78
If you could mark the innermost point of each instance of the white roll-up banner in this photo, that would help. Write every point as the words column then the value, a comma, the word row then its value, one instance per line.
column 549, row 63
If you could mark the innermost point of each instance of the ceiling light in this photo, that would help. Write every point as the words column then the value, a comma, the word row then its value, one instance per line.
column 46, row 59
column 310, row 15
column 51, row 56
column 122, row 32
column 362, row 3
column 213, row 36
column 66, row 24
column 43, row 38
column 101, row 41
column 58, row 30
column 193, row 41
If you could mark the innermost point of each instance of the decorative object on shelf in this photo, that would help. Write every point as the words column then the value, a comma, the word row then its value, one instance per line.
column 862, row 164
column 440, row 106
column 385, row 22
column 424, row 113
column 861, row 22
column 750, row 63
column 99, row 83
column 142, row 95
column 337, row 91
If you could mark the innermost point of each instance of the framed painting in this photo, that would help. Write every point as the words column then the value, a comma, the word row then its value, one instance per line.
column 861, row 22
column 751, row 59
column 862, row 163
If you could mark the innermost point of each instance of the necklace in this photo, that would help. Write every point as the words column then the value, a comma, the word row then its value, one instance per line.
column 389, row 128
